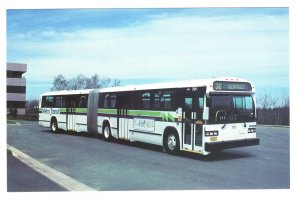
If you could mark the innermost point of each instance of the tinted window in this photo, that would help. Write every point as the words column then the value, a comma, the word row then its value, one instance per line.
column 125, row 100
column 60, row 101
column 83, row 101
column 113, row 100
column 156, row 103
column 146, row 102
column 47, row 101
column 108, row 101
column 166, row 100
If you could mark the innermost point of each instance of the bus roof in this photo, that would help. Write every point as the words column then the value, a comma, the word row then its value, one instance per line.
column 67, row 92
column 177, row 84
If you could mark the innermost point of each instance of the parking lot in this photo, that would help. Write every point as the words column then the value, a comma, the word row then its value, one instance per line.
column 115, row 166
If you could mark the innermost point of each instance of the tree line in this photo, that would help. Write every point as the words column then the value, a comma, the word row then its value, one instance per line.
column 270, row 110
column 82, row 82
column 273, row 110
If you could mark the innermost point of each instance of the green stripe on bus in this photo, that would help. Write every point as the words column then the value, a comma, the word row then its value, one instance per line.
column 165, row 116
column 81, row 110
column 107, row 111
column 63, row 109
column 144, row 113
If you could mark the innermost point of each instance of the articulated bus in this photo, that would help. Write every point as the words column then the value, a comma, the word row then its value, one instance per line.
column 202, row 116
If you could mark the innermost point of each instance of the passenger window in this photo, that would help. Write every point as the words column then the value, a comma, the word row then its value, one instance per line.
column 109, row 101
column 166, row 100
column 83, row 102
column 60, row 102
column 106, row 101
column 113, row 100
column 156, row 104
column 48, row 101
column 146, row 100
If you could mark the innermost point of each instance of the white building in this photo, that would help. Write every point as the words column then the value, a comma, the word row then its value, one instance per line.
column 16, row 87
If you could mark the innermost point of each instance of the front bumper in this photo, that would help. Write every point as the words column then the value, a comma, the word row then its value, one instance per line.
column 217, row 146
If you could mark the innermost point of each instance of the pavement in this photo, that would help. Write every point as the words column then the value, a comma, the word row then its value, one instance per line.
column 21, row 178
column 118, row 166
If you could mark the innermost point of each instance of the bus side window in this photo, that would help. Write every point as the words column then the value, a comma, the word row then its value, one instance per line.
column 43, row 101
column 146, row 103
column 106, row 101
column 60, row 102
column 113, row 100
column 83, row 102
column 156, row 103
column 125, row 100
column 166, row 100
column 101, row 100
column 48, row 101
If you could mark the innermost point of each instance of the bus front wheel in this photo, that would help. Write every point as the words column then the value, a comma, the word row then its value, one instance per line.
column 171, row 142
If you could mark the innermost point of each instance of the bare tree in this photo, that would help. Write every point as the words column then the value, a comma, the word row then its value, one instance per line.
column 83, row 82
column 104, row 82
column 60, row 83
column 94, row 82
column 273, row 110
column 266, row 101
column 116, row 82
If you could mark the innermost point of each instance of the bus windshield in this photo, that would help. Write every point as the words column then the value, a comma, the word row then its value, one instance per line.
column 231, row 109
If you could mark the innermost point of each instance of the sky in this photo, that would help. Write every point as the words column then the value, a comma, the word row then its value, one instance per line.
column 151, row 45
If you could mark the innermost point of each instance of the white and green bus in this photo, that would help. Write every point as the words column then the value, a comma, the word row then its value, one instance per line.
column 201, row 116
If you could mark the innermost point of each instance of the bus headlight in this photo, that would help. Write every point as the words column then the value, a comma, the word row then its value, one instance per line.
column 251, row 130
column 211, row 133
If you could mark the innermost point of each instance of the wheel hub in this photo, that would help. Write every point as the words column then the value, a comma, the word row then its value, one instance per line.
column 171, row 142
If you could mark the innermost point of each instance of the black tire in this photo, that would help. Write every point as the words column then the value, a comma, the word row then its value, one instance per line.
column 106, row 133
column 53, row 125
column 171, row 142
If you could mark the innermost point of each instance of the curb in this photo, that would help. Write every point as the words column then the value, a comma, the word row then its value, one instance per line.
column 61, row 179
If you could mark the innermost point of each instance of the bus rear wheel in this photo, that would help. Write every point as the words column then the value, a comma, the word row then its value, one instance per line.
column 171, row 142
column 53, row 125
column 107, row 133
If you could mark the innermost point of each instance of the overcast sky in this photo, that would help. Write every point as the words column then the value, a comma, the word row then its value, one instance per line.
column 151, row 45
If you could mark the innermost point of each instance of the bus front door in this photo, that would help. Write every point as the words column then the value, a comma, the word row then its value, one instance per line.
column 192, row 123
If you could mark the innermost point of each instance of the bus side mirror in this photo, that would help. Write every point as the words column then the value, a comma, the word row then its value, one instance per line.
column 206, row 108
column 205, row 113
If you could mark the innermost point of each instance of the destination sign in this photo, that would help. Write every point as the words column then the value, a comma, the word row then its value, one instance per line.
column 232, row 86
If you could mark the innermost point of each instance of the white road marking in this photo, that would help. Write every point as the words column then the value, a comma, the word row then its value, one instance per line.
column 58, row 177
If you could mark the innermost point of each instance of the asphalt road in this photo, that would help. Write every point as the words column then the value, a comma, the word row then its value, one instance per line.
column 135, row 166
column 21, row 178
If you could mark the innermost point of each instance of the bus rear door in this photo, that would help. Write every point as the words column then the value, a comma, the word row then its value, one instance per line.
column 71, row 110
column 123, row 101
